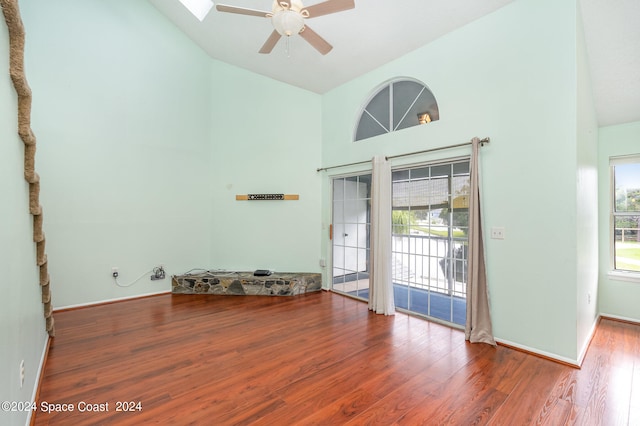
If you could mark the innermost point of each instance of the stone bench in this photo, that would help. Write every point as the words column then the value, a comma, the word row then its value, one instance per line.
column 246, row 284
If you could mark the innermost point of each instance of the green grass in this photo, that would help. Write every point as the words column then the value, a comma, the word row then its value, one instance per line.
column 440, row 233
column 627, row 266
column 629, row 253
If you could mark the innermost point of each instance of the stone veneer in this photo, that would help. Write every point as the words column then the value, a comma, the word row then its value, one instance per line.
column 246, row 284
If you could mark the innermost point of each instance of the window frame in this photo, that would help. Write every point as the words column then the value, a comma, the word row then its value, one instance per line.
column 618, row 274
column 434, row 115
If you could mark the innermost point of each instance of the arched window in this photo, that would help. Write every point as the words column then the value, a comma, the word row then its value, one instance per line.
column 396, row 105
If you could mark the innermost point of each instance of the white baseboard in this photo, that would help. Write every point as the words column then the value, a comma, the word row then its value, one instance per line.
column 620, row 318
column 585, row 345
column 575, row 363
column 544, row 354
column 36, row 385
column 102, row 302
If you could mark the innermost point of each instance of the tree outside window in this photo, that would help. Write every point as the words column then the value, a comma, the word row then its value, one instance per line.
column 626, row 213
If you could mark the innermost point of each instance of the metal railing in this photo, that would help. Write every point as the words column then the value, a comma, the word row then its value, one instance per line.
column 431, row 263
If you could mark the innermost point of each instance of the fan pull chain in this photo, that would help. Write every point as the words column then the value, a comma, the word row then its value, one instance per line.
column 287, row 47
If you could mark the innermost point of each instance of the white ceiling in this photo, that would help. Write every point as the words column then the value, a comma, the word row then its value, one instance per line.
column 612, row 35
column 377, row 32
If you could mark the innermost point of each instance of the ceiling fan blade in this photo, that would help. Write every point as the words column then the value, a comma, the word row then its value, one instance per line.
column 320, row 44
column 241, row 10
column 329, row 6
column 268, row 45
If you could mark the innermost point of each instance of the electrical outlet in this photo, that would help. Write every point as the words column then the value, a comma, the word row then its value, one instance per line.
column 21, row 373
column 497, row 233
column 114, row 271
column 158, row 273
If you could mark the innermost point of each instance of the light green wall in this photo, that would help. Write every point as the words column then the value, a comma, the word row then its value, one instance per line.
column 503, row 77
column 587, row 198
column 146, row 141
column 616, row 298
column 266, row 139
column 22, row 326
column 122, row 110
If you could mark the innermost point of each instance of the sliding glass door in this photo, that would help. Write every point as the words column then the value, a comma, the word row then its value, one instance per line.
column 351, row 242
column 430, row 214
column 429, row 245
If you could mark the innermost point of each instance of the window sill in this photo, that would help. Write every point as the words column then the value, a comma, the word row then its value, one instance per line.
column 624, row 276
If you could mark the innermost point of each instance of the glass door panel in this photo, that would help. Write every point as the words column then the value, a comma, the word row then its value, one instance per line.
column 351, row 226
column 429, row 243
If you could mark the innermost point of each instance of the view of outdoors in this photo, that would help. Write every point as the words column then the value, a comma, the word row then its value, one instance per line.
column 429, row 243
column 430, row 235
column 627, row 217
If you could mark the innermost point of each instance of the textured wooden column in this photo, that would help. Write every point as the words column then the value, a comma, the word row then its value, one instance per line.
column 11, row 13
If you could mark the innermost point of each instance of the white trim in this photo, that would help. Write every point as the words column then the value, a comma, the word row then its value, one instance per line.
column 618, row 274
column 585, row 346
column 117, row 299
column 624, row 159
column 620, row 318
column 611, row 231
column 583, row 352
column 36, row 384
column 629, row 276
column 545, row 354
column 376, row 120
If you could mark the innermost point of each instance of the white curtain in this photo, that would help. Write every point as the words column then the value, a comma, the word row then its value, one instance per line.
column 380, row 283
column 478, row 327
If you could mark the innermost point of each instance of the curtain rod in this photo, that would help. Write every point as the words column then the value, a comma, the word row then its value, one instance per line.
column 482, row 143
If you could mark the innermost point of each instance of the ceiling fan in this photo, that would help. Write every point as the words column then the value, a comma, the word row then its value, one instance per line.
column 288, row 19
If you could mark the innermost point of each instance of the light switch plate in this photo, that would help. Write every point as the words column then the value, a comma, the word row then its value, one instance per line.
column 497, row 233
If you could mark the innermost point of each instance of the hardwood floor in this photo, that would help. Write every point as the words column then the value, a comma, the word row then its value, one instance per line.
column 319, row 358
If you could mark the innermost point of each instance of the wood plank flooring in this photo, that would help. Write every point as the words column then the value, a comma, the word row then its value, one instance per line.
column 319, row 358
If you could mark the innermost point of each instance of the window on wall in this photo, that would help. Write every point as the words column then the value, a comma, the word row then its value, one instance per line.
column 397, row 105
column 625, row 217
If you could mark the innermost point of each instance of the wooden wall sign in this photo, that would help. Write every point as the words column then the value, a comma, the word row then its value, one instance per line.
column 267, row 197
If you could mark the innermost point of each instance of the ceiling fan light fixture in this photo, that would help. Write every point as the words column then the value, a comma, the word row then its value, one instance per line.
column 288, row 22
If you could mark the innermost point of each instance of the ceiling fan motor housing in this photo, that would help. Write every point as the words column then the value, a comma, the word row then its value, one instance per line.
column 287, row 17
column 285, row 5
column 288, row 22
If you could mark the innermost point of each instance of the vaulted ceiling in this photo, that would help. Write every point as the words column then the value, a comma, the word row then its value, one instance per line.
column 377, row 32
